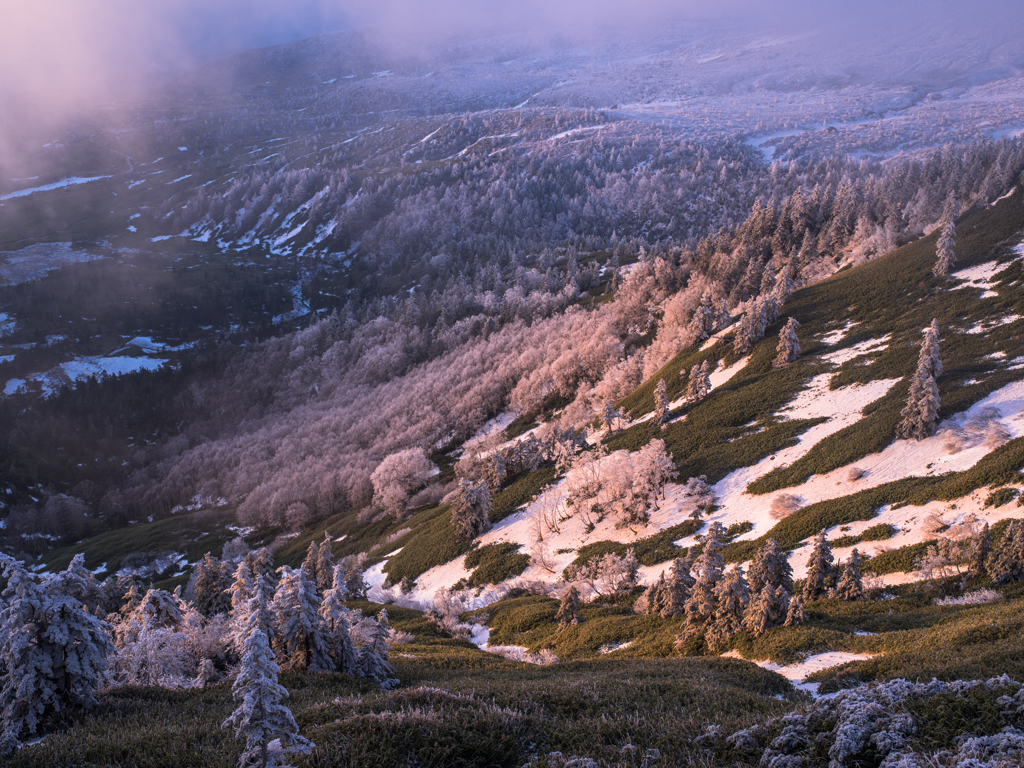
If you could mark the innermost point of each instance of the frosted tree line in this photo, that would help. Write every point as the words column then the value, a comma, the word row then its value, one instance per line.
column 60, row 646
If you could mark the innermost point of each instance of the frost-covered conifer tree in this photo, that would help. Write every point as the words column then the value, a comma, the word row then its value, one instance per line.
column 819, row 568
column 945, row 256
column 795, row 612
column 211, row 579
column 53, row 652
column 661, row 407
column 300, row 642
column 325, row 564
column 699, row 384
column 261, row 717
column 373, row 657
column 921, row 413
column 656, row 596
column 335, row 618
column 471, row 509
column 701, row 605
column 980, row 550
column 242, row 591
column 310, row 563
column 770, row 567
column 610, row 415
column 354, row 566
column 767, row 609
column 732, row 595
column 678, row 587
column 568, row 608
column 789, row 345
column 1006, row 563
column 704, row 319
column 851, row 585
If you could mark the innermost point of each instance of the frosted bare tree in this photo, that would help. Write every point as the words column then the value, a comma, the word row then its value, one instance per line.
column 397, row 477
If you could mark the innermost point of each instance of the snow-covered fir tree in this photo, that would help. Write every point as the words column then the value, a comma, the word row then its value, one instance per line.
column 771, row 567
column 789, row 345
column 732, row 595
column 568, row 608
column 325, row 565
column 945, row 256
column 471, row 509
column 705, row 318
column 678, row 587
column 819, row 568
column 210, row 579
column 300, row 641
column 981, row 549
column 661, row 406
column 372, row 658
column 610, row 416
column 252, row 595
column 53, row 652
column 335, row 618
column 767, row 609
column 921, row 413
column 656, row 596
column 1006, row 563
column 795, row 612
column 851, row 584
column 261, row 718
column 699, row 383
column 703, row 600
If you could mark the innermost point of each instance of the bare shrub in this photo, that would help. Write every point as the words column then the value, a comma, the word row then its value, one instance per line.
column 429, row 497
column 855, row 474
column 784, row 505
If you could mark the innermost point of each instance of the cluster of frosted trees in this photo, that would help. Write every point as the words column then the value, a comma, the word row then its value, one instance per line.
column 624, row 485
column 59, row 646
column 965, row 550
column 717, row 603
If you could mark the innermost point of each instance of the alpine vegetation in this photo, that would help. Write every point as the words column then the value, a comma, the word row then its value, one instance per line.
column 921, row 413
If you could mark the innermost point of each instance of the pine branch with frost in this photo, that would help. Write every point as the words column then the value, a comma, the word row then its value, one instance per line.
column 260, row 717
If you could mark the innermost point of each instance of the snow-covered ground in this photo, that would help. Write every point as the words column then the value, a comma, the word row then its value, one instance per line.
column 33, row 262
column 82, row 368
column 798, row 673
column 62, row 184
